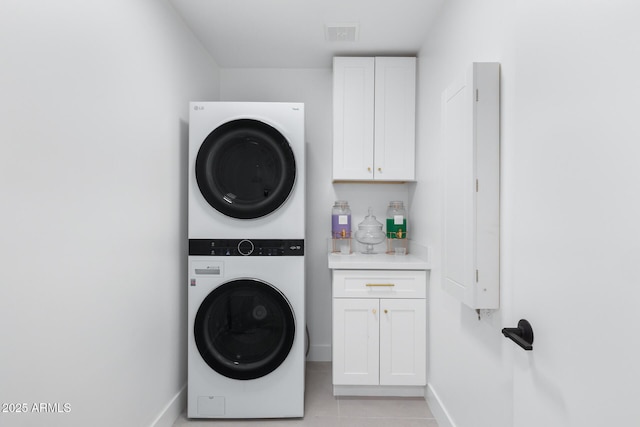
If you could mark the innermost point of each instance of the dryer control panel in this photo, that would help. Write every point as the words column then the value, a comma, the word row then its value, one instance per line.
column 246, row 247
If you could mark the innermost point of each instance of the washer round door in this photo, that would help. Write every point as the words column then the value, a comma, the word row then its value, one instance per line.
column 245, row 169
column 244, row 329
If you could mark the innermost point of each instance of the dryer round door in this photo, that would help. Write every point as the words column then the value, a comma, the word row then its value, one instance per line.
column 244, row 329
column 245, row 169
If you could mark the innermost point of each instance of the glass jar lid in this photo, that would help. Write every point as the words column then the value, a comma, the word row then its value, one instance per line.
column 370, row 222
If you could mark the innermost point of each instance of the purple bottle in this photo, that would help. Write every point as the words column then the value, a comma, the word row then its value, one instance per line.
column 341, row 220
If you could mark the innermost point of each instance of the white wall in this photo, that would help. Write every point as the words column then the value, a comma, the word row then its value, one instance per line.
column 576, row 211
column 314, row 88
column 468, row 370
column 93, row 133
column 569, row 214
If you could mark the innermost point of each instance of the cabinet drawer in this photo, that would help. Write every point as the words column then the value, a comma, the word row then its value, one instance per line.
column 379, row 284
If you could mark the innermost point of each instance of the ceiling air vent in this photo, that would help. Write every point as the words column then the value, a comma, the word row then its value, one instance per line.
column 341, row 32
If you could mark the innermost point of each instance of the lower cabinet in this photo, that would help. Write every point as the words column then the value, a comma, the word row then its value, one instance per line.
column 379, row 340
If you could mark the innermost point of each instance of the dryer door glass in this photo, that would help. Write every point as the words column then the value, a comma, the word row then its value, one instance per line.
column 245, row 169
column 244, row 329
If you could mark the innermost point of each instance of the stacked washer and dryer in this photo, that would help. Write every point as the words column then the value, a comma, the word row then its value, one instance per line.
column 246, row 298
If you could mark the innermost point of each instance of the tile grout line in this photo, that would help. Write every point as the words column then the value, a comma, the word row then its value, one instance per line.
column 351, row 417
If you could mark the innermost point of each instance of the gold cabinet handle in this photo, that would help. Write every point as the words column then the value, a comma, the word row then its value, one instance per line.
column 374, row 311
column 379, row 169
column 369, row 169
column 386, row 311
column 379, row 284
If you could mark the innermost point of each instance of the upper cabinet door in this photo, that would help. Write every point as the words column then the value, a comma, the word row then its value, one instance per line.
column 353, row 105
column 395, row 119
column 374, row 119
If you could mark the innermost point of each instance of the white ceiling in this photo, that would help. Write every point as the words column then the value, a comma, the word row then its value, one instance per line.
column 291, row 33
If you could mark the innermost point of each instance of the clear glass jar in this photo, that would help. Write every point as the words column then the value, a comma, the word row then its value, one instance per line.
column 370, row 233
column 396, row 220
column 341, row 220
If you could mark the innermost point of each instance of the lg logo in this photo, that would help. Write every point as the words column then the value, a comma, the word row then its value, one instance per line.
column 198, row 107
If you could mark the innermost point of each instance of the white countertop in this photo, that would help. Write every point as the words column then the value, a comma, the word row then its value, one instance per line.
column 417, row 259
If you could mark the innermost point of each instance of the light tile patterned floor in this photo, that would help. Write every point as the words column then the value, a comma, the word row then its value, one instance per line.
column 323, row 409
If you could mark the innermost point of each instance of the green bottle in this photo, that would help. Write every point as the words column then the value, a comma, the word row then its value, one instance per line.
column 396, row 221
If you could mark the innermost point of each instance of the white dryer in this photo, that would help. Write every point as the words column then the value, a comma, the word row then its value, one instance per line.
column 246, row 308
column 246, row 170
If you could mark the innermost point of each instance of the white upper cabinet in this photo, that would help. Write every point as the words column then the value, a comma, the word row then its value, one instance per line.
column 353, row 105
column 374, row 119
column 395, row 119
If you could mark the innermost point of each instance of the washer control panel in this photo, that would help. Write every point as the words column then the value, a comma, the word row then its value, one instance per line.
column 246, row 247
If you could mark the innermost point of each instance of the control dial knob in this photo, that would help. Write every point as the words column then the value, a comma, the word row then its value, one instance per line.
column 245, row 247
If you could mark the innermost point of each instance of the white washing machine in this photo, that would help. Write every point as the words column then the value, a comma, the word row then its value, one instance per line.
column 246, row 170
column 246, row 328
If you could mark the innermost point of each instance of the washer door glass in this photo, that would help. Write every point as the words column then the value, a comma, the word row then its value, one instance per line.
column 244, row 329
column 245, row 169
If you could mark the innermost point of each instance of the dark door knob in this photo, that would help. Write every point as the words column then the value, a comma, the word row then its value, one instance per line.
column 522, row 335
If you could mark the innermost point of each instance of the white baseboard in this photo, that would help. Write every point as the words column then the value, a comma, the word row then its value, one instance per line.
column 377, row 390
column 173, row 409
column 438, row 409
column 319, row 353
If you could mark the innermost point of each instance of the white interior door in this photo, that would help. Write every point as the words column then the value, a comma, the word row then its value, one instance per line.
column 575, row 213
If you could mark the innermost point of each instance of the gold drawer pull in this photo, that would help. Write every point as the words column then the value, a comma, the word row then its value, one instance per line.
column 379, row 284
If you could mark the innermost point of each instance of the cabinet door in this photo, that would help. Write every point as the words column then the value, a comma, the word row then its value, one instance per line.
column 395, row 103
column 403, row 342
column 353, row 106
column 355, row 341
column 471, row 136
